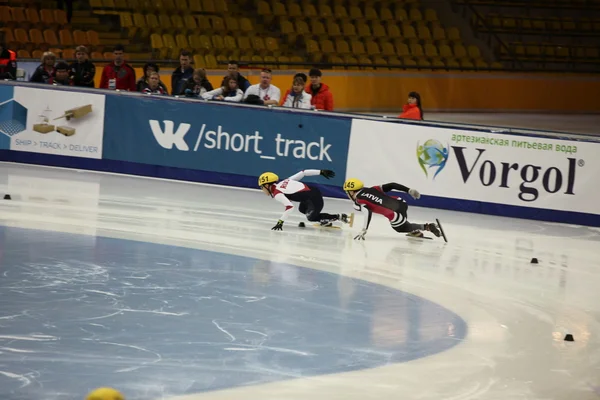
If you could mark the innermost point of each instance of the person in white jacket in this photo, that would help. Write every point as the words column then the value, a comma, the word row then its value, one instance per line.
column 229, row 92
column 297, row 97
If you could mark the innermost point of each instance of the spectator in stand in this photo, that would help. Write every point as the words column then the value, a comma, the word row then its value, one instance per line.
column 412, row 109
column 61, row 75
column 234, row 68
column 228, row 92
column 118, row 74
column 142, row 83
column 297, row 97
column 287, row 92
column 8, row 60
column 322, row 98
column 154, row 86
column 82, row 71
column 269, row 94
column 45, row 70
column 198, row 85
column 182, row 74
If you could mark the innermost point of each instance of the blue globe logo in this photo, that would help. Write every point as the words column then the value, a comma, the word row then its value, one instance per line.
column 432, row 155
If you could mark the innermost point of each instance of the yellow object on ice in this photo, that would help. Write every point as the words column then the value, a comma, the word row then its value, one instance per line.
column 353, row 184
column 266, row 178
column 105, row 393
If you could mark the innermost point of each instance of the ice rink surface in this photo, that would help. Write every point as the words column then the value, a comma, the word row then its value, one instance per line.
column 171, row 290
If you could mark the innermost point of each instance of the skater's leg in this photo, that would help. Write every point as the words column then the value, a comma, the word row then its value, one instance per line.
column 315, row 206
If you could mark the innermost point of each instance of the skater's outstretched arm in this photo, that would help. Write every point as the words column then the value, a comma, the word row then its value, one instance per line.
column 396, row 186
column 289, row 207
column 312, row 172
column 366, row 222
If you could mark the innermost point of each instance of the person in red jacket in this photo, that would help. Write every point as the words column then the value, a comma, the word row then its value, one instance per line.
column 118, row 74
column 322, row 98
column 8, row 60
column 412, row 109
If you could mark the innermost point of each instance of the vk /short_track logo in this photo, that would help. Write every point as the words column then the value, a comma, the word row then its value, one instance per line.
column 432, row 155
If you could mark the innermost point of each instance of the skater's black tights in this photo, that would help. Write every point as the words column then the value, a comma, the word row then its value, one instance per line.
column 408, row 227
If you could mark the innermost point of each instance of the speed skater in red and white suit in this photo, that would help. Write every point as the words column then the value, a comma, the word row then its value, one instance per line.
column 292, row 190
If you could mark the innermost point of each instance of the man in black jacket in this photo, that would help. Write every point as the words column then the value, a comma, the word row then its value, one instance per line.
column 182, row 74
column 82, row 71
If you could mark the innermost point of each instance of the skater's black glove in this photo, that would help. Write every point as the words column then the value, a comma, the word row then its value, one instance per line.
column 327, row 173
column 278, row 227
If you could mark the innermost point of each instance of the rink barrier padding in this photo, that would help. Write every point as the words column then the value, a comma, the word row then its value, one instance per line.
column 545, row 176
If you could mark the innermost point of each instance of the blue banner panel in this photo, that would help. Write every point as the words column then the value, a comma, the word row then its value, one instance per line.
column 225, row 139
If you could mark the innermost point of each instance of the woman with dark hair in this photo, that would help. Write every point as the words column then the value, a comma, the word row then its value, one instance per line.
column 413, row 109
column 228, row 92
column 143, row 83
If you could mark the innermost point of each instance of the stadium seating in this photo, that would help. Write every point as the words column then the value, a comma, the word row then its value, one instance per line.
column 536, row 33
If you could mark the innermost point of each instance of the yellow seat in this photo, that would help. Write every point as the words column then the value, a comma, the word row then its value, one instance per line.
column 333, row 59
column 453, row 34
column 424, row 33
column 37, row 54
column 8, row 35
column 339, row 11
column 349, row 30
column 416, row 50
column 333, row 29
column 385, row 14
column 182, row 42
column 18, row 14
column 371, row 14
column 169, row 41
column 199, row 61
column 342, row 47
column 312, row 47
column 378, row 30
column 302, row 28
column 271, row 44
column 218, row 23
column 310, row 11
column 23, row 54
column 364, row 30
column 208, row 6
column 283, row 59
column 393, row 30
column 481, row 64
column 221, row 6
column 66, row 37
column 400, row 14
column 258, row 59
column 165, row 21
column 466, row 63
column 156, row 41
column 474, row 52
column 408, row 32
column 279, row 9
column 32, row 15
column 177, row 23
column 325, row 11
column 211, row 61
column 415, row 14
column 358, row 48
column 387, row 49
column 246, row 25
column 36, row 36
column 190, row 22
column 373, row 48
column 294, row 10
column 317, row 27
column 356, row 13
column 244, row 43
column 365, row 63
column 270, row 62
column 47, row 16
column 327, row 46
column 460, row 51
column 258, row 43
column 204, row 23
column 229, row 43
column 68, row 54
column 439, row 34
column 452, row 63
column 263, row 8
column 60, row 17
column 286, row 27
column 402, row 49
column 431, row 15
column 445, row 51
column 431, row 51
column 50, row 37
